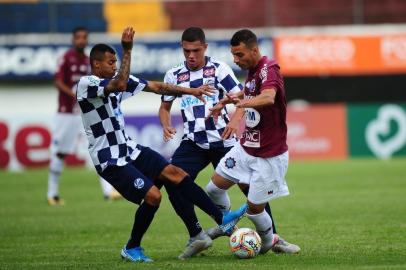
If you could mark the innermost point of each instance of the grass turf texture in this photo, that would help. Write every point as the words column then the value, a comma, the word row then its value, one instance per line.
column 344, row 215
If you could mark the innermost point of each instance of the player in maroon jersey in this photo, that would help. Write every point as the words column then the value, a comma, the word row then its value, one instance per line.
column 260, row 161
column 68, row 130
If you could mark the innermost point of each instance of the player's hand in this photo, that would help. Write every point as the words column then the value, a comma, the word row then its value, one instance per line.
column 168, row 133
column 203, row 90
column 127, row 38
column 230, row 129
column 215, row 112
column 237, row 101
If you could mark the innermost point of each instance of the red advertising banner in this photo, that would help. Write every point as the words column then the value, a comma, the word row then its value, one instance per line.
column 341, row 55
column 317, row 132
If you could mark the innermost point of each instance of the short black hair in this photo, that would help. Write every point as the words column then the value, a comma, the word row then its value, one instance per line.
column 79, row 29
column 98, row 51
column 192, row 34
column 245, row 36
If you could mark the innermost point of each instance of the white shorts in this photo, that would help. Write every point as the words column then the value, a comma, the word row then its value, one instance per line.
column 67, row 133
column 265, row 176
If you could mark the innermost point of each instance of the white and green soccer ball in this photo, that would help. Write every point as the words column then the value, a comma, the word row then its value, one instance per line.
column 245, row 243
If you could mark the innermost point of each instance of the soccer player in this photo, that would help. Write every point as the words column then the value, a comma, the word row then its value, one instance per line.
column 68, row 129
column 204, row 141
column 261, row 159
column 132, row 168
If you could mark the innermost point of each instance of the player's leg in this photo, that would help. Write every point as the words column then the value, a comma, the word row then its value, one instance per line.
column 134, row 186
column 192, row 159
column 56, row 165
column 64, row 135
column 245, row 189
column 268, row 183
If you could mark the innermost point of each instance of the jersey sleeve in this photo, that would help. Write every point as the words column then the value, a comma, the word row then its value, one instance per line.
column 227, row 79
column 91, row 87
column 270, row 78
column 169, row 79
column 134, row 86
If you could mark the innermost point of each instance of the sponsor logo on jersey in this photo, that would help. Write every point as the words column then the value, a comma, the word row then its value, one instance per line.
column 263, row 73
column 252, row 117
column 183, row 77
column 209, row 72
column 138, row 183
column 252, row 138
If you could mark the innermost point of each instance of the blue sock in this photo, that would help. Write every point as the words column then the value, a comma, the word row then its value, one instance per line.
column 195, row 194
column 143, row 218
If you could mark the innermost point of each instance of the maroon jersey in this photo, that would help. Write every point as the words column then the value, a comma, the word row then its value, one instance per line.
column 72, row 67
column 265, row 128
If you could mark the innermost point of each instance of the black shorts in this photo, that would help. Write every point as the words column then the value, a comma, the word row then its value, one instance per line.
column 134, row 179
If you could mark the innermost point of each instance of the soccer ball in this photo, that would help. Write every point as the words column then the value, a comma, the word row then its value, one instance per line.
column 245, row 243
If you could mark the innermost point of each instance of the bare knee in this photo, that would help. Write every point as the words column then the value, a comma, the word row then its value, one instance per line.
column 255, row 209
column 173, row 174
column 153, row 196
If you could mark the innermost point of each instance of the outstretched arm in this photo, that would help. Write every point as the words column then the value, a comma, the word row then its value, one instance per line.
column 161, row 88
column 119, row 83
column 267, row 97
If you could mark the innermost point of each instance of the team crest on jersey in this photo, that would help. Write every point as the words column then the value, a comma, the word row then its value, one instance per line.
column 230, row 163
column 183, row 77
column 209, row 72
column 138, row 183
column 250, row 85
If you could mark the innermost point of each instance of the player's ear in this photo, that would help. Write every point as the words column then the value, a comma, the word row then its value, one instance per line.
column 205, row 45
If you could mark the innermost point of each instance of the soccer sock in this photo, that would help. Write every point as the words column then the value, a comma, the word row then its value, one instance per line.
column 185, row 210
column 106, row 187
column 143, row 218
column 198, row 197
column 263, row 225
column 267, row 209
column 219, row 197
column 55, row 169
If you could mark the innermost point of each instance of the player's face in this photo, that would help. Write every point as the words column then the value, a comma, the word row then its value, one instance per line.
column 244, row 57
column 108, row 66
column 79, row 40
column 194, row 54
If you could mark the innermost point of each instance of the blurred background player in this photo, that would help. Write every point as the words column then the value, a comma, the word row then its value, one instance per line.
column 68, row 129
column 261, row 158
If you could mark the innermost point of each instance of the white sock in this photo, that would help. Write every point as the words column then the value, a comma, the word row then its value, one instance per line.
column 218, row 196
column 263, row 225
column 55, row 169
column 106, row 187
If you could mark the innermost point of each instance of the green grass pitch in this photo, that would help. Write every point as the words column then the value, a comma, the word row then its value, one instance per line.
column 343, row 214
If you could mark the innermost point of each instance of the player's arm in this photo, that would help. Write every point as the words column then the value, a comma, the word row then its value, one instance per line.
column 216, row 110
column 234, row 124
column 119, row 83
column 267, row 97
column 165, row 118
column 64, row 88
column 161, row 88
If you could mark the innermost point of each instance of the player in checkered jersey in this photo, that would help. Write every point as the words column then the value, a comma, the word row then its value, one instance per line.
column 132, row 168
column 261, row 159
column 68, row 131
column 204, row 141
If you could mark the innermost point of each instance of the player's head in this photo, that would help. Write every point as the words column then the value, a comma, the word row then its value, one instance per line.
column 103, row 60
column 244, row 47
column 194, row 47
column 79, row 38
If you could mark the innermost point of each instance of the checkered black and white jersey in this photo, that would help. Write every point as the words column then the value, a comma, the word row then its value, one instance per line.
column 205, row 134
column 104, row 122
